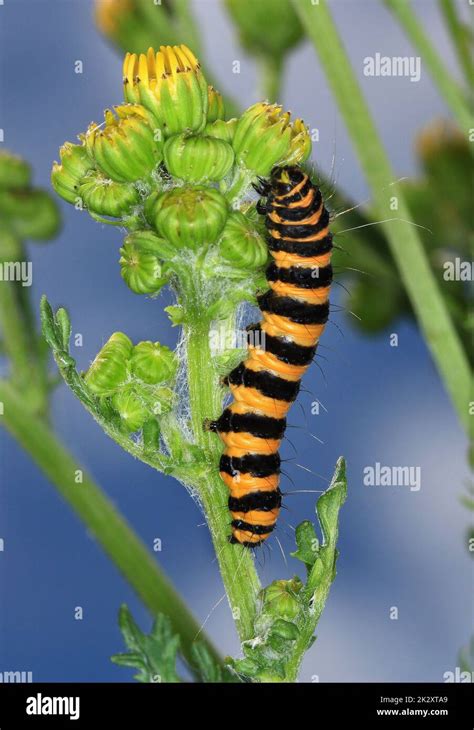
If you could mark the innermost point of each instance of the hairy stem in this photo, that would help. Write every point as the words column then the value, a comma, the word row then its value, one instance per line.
column 405, row 244
column 205, row 397
column 101, row 517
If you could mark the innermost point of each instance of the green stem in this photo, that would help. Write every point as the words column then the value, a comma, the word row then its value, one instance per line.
column 271, row 77
column 205, row 398
column 101, row 517
column 447, row 86
column 307, row 632
column 460, row 37
column 405, row 244
column 27, row 370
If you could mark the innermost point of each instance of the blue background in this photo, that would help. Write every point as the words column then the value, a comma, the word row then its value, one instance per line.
column 398, row 548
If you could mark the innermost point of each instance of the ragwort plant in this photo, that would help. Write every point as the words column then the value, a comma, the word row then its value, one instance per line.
column 170, row 169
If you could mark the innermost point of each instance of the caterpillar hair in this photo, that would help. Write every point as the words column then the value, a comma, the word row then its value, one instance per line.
column 294, row 313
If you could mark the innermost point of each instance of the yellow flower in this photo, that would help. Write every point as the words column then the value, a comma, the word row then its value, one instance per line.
column 300, row 144
column 171, row 85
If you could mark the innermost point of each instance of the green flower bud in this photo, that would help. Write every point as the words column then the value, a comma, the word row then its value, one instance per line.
column 216, row 108
column 110, row 367
column 264, row 137
column 141, row 270
column 241, row 245
column 171, row 85
column 149, row 242
column 280, row 598
column 105, row 197
column 30, row 213
column 267, row 27
column 221, row 130
column 153, row 363
column 189, row 217
column 65, row 177
column 14, row 172
column 127, row 148
column 130, row 408
column 285, row 630
column 198, row 159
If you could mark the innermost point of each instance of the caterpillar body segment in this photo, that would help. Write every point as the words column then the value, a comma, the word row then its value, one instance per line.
column 294, row 310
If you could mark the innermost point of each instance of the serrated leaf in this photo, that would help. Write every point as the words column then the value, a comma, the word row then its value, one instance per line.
column 154, row 654
column 307, row 543
column 209, row 671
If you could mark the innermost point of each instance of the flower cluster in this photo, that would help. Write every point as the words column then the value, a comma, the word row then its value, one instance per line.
column 168, row 166
column 133, row 380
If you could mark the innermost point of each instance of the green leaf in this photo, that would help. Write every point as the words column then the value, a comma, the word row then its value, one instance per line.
column 307, row 542
column 154, row 655
column 209, row 671
column 64, row 326
column 50, row 329
column 175, row 314
column 330, row 502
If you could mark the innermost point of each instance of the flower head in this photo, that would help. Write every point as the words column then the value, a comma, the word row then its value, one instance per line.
column 170, row 84
column 265, row 137
column 126, row 148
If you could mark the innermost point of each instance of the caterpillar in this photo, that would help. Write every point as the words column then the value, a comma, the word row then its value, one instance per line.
column 294, row 311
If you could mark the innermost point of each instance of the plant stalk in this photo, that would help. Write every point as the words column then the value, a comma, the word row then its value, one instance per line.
column 447, row 86
column 405, row 244
column 205, row 397
column 460, row 36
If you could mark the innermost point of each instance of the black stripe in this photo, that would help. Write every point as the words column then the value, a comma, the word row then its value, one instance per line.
column 301, row 248
column 263, row 427
column 254, row 529
column 293, row 309
column 267, row 384
column 305, row 230
column 305, row 277
column 280, row 193
column 286, row 350
column 262, row 501
column 298, row 213
column 257, row 465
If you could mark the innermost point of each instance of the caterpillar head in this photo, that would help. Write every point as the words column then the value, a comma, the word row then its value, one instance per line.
column 284, row 179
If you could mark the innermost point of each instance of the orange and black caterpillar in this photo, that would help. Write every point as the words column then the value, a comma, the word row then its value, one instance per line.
column 294, row 310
